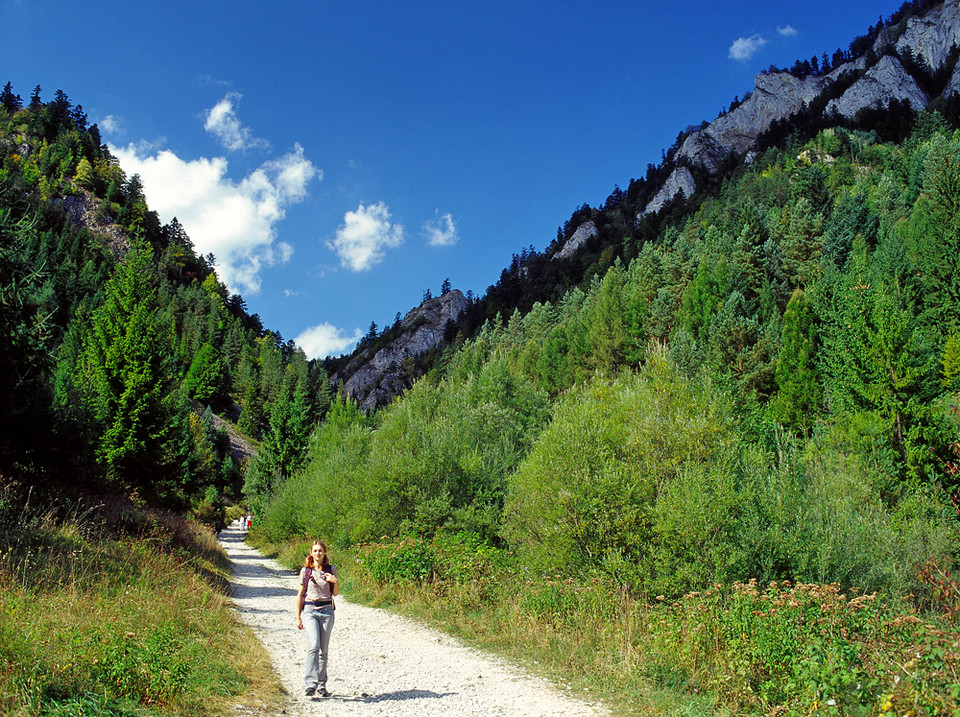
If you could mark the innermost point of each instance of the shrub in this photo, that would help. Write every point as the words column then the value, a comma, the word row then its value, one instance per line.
column 611, row 483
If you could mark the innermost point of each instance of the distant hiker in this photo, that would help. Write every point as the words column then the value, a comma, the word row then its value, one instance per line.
column 318, row 586
column 249, row 521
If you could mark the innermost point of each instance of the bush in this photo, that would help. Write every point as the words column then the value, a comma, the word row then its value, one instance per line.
column 612, row 483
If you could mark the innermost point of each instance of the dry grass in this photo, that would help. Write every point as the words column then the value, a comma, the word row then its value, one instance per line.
column 744, row 649
column 116, row 610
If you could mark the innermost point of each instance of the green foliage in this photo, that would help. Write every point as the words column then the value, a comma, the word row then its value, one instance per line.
column 136, row 630
column 587, row 496
column 124, row 375
column 25, row 337
column 798, row 399
column 439, row 458
column 617, row 431
column 935, row 232
column 205, row 379
column 951, row 363
column 102, row 362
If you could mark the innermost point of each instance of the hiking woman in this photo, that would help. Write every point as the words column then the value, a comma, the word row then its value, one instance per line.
column 318, row 586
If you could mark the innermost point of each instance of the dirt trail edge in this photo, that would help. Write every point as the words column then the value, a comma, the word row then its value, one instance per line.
column 381, row 663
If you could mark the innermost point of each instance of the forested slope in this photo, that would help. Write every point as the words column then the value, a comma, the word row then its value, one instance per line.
column 718, row 477
column 118, row 341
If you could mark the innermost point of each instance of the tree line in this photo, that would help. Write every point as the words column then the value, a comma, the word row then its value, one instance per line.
column 766, row 388
column 119, row 342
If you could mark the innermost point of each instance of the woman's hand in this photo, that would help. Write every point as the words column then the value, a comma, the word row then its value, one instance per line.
column 334, row 583
column 299, row 622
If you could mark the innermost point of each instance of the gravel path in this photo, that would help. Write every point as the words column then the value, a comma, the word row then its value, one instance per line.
column 381, row 663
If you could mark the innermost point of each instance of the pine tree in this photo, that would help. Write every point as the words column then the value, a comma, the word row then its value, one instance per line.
column 798, row 398
column 125, row 375
column 951, row 363
column 205, row 379
column 284, row 447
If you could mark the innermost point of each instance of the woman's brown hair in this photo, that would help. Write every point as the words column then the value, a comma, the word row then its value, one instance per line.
column 308, row 561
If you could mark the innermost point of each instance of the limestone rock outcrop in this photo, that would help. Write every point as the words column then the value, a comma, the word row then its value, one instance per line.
column 374, row 380
column 585, row 231
column 680, row 181
column 882, row 83
column 932, row 36
column 778, row 95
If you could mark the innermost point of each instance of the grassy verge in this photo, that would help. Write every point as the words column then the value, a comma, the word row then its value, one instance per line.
column 740, row 649
column 115, row 610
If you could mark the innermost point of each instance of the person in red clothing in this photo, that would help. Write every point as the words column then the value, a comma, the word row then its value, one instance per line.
column 315, row 606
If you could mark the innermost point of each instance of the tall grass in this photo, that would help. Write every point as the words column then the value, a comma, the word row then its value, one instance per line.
column 734, row 649
column 115, row 610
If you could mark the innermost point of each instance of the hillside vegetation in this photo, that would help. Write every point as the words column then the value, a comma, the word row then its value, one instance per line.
column 708, row 463
column 732, row 451
column 117, row 344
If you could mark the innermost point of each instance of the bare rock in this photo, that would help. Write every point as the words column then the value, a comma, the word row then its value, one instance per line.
column 375, row 380
column 680, row 181
column 885, row 81
column 585, row 231
column 932, row 36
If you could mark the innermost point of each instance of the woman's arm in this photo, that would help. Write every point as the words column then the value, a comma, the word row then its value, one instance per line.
column 300, row 594
column 334, row 582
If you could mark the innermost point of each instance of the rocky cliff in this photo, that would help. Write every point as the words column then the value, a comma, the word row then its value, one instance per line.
column 777, row 95
column 585, row 231
column 375, row 375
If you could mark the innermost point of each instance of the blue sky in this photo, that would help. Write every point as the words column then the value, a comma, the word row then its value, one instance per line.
column 340, row 158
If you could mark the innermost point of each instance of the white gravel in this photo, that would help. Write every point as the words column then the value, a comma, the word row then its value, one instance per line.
column 382, row 663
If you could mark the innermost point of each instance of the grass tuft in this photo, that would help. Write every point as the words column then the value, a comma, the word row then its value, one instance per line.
column 113, row 609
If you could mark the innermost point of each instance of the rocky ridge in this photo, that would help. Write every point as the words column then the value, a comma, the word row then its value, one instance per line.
column 777, row 95
column 585, row 231
column 373, row 380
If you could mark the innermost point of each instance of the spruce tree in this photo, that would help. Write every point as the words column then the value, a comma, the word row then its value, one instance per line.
column 798, row 397
column 126, row 377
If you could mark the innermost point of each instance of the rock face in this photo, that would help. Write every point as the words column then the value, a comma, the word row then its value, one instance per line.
column 82, row 211
column 585, row 231
column 885, row 81
column 777, row 95
column 932, row 36
column 680, row 181
column 374, row 380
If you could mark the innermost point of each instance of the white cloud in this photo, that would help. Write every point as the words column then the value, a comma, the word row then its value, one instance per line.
column 109, row 124
column 222, row 122
column 787, row 31
column 743, row 48
column 364, row 235
column 234, row 221
column 441, row 230
column 324, row 340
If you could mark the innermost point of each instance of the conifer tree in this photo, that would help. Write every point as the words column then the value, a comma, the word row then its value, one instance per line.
column 126, row 377
column 798, row 398
column 951, row 363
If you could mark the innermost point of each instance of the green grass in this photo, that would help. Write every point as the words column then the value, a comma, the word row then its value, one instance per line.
column 738, row 649
column 116, row 610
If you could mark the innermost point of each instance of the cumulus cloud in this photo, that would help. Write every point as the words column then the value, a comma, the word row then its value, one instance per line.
column 743, row 48
column 324, row 340
column 441, row 230
column 109, row 124
column 787, row 31
column 222, row 122
column 364, row 236
column 236, row 221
